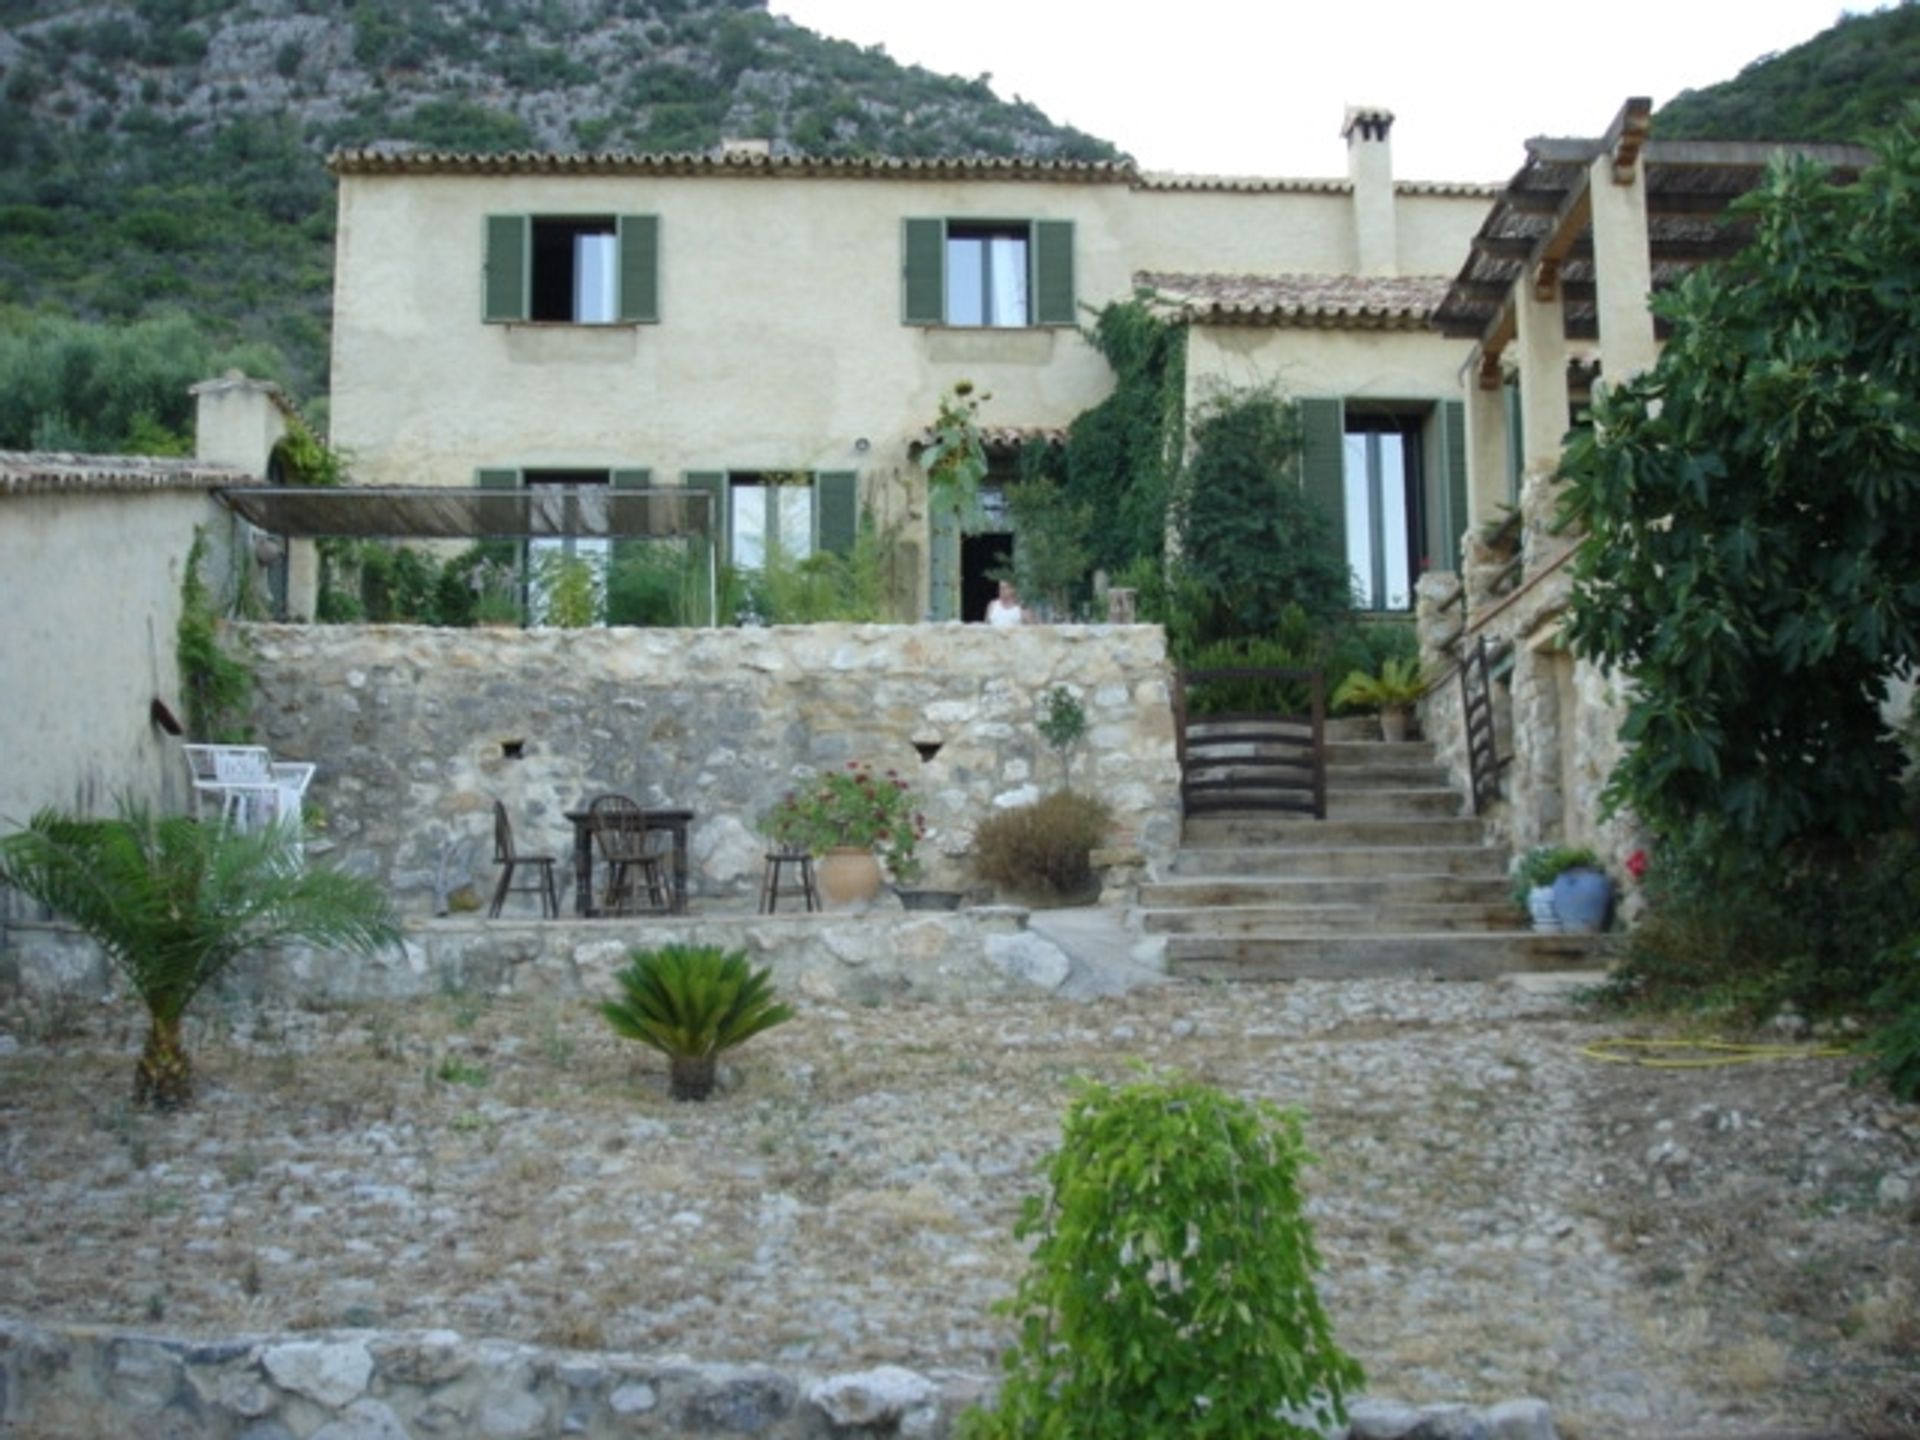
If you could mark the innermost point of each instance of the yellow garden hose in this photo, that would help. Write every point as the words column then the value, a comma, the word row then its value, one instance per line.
column 1701, row 1054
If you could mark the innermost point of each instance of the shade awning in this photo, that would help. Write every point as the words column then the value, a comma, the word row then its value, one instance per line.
column 391, row 512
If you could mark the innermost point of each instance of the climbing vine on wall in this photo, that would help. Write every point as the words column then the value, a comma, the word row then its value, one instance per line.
column 1122, row 457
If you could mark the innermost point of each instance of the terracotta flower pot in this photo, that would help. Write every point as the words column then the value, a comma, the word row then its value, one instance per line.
column 848, row 876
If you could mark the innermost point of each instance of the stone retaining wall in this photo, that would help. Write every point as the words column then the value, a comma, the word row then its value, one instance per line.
column 411, row 728
column 939, row 956
column 1558, row 718
column 374, row 1385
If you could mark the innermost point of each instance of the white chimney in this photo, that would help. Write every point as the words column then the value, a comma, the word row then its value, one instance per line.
column 1370, row 168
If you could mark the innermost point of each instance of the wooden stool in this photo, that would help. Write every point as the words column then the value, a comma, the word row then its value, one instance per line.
column 770, row 886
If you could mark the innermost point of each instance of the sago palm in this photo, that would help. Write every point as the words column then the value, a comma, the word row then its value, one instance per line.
column 174, row 902
column 692, row 1003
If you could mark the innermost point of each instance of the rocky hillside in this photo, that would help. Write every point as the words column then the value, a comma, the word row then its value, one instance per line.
column 167, row 154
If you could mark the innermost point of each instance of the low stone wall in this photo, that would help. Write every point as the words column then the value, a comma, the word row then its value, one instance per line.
column 366, row 1385
column 412, row 730
column 854, row 958
column 392, row 1385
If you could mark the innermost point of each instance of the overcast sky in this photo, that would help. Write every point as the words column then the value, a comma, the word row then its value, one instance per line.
column 1258, row 87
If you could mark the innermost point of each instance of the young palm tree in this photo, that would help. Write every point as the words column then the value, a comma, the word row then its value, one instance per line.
column 174, row 902
column 691, row 1003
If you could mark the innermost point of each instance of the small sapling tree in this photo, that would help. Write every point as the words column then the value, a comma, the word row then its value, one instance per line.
column 1170, row 1295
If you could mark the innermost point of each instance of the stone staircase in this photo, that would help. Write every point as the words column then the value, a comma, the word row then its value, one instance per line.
column 1395, row 881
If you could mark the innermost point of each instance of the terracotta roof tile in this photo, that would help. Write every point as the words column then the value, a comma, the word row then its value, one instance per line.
column 1334, row 302
column 43, row 472
column 384, row 160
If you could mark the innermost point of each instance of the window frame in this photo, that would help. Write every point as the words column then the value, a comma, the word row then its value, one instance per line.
column 1050, row 270
column 511, row 248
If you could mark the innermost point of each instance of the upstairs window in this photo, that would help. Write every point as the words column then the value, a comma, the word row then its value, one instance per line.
column 572, row 269
column 986, row 274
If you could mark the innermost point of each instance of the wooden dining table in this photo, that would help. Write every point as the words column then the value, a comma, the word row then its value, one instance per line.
column 671, row 822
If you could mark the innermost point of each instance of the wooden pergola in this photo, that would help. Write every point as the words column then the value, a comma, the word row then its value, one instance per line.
column 1575, row 246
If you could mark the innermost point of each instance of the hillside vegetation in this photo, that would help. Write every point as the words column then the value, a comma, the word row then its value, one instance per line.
column 168, row 155
column 1844, row 82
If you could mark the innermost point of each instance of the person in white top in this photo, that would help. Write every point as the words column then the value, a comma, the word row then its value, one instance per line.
column 1005, row 608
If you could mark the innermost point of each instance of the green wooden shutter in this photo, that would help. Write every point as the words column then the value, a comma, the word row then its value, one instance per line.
column 1451, row 418
column 1053, row 272
column 923, row 272
column 1323, row 465
column 836, row 511
column 509, row 253
column 639, row 267
column 943, row 564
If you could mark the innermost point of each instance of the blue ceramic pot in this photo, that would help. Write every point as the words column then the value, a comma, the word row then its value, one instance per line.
column 1582, row 897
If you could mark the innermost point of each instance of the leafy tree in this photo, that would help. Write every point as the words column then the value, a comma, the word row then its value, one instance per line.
column 1170, row 1292
column 1252, row 543
column 175, row 902
column 70, row 385
column 1051, row 559
column 1752, row 508
column 1841, row 84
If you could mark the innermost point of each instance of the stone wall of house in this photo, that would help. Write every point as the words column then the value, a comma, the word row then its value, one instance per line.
column 1558, row 718
column 416, row 731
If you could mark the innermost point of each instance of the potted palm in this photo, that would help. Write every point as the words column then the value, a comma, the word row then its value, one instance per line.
column 850, row 820
column 1392, row 694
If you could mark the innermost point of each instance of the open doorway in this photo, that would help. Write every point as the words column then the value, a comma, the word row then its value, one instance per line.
column 983, row 558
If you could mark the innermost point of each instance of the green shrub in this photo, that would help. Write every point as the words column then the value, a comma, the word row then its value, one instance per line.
column 1741, row 937
column 1895, row 1045
column 1171, row 1290
column 692, row 1003
column 1040, row 850
column 1293, row 648
column 658, row 582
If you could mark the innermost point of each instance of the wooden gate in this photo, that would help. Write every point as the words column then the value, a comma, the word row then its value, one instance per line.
column 1252, row 739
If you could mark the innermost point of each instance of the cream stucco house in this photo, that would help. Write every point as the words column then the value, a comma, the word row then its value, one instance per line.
column 776, row 330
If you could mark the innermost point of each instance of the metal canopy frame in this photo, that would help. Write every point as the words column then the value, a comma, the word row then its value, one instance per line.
column 425, row 512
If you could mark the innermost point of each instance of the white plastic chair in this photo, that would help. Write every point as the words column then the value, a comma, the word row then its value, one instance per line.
column 250, row 788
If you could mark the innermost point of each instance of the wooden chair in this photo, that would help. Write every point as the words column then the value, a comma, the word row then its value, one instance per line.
column 509, row 859
column 779, row 862
column 619, row 829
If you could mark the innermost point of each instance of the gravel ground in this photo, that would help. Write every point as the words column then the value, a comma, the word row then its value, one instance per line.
column 1656, row 1252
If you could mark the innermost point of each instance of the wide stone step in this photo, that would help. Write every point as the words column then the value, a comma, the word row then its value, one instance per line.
column 1397, row 803
column 1375, row 890
column 1397, row 776
column 1441, row 954
column 1396, row 918
column 1366, row 754
column 1248, row 829
column 1236, row 862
